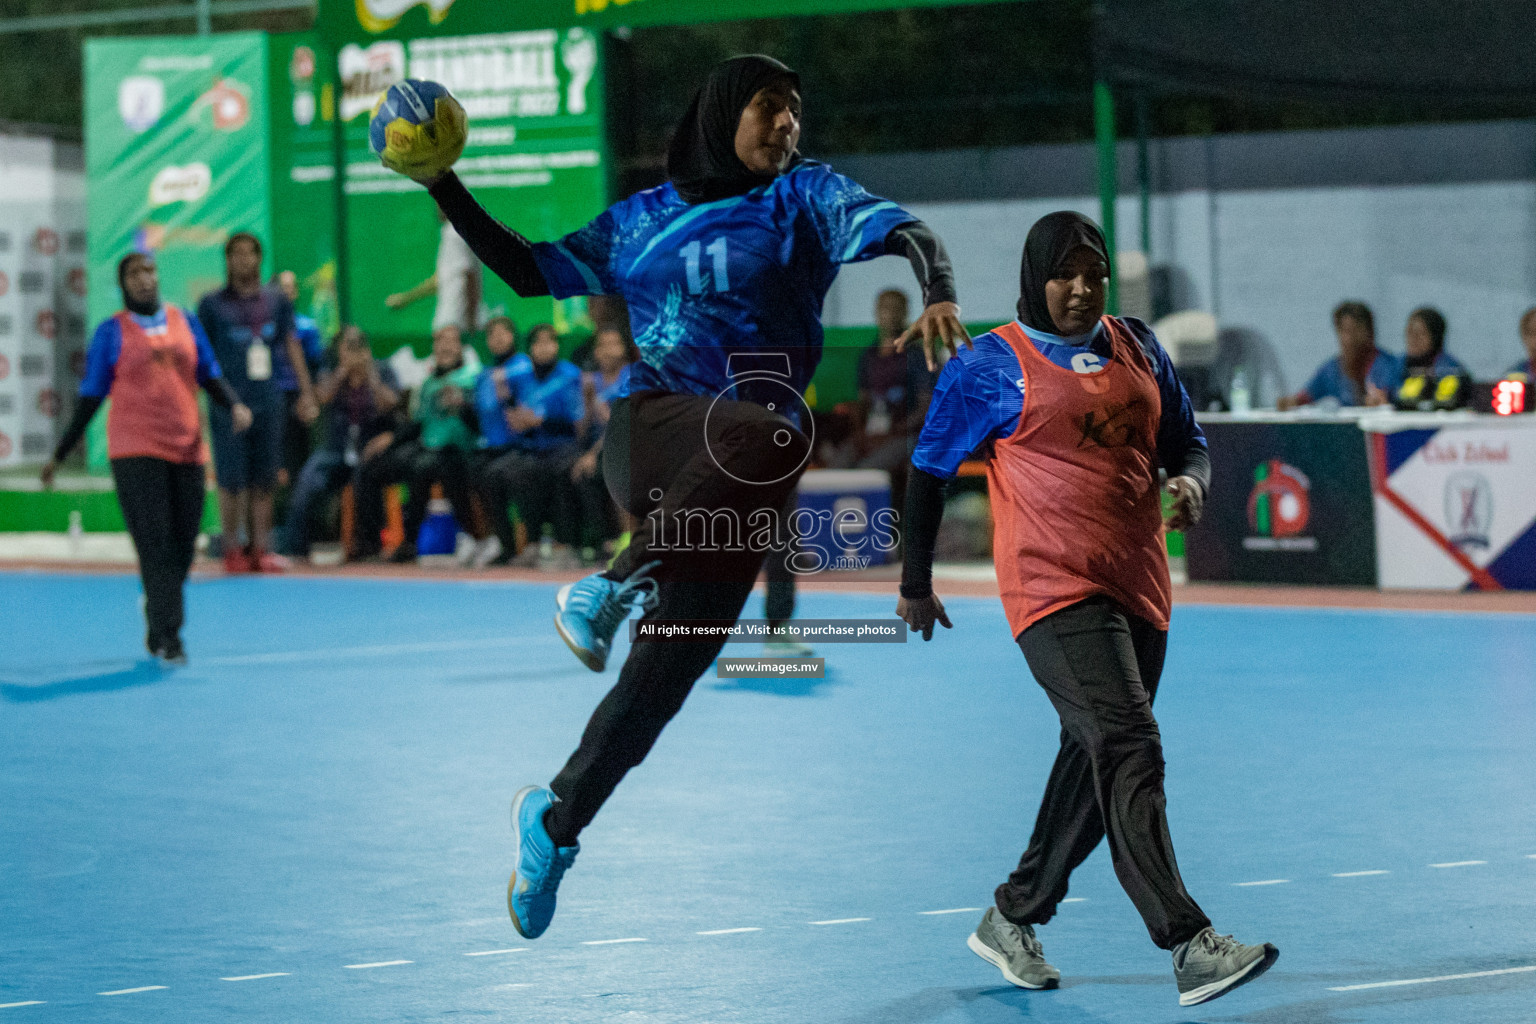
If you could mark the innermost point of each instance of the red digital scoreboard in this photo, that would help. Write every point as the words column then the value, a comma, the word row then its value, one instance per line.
column 1509, row 397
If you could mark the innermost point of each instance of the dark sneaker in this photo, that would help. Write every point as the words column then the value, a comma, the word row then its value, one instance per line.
column 1014, row 950
column 1211, row 965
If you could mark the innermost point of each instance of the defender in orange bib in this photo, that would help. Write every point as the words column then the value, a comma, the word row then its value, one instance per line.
column 1076, row 413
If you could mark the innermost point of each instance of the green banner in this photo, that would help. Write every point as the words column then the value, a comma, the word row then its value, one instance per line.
column 176, row 156
column 344, row 19
column 535, row 159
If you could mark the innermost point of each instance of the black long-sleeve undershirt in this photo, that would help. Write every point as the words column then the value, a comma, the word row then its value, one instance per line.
column 508, row 254
column 219, row 392
column 930, row 262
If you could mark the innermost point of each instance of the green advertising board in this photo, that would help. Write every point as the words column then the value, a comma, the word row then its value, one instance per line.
column 190, row 139
column 534, row 159
column 343, row 19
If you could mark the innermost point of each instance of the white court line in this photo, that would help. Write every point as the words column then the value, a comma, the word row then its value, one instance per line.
column 381, row 963
column 842, row 920
column 498, row 952
column 131, row 991
column 1075, row 899
column 729, row 931
column 1531, row 856
column 956, row 910
column 29, row 1002
column 257, row 977
column 1266, row 881
column 1359, row 874
column 1426, row 981
column 1458, row 863
column 610, row 942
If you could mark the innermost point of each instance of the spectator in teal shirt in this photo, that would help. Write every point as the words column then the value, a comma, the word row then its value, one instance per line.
column 1361, row 374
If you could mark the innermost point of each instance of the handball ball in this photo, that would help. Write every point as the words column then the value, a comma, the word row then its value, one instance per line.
column 418, row 129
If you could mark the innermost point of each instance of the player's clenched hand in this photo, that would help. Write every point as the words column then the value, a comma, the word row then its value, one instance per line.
column 939, row 326
column 920, row 613
column 1188, row 503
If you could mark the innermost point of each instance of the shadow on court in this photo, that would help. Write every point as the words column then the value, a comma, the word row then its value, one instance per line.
column 110, row 676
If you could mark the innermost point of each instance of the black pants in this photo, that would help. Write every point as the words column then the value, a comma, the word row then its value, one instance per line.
column 666, row 455
column 539, row 484
column 418, row 468
column 162, row 505
column 1100, row 666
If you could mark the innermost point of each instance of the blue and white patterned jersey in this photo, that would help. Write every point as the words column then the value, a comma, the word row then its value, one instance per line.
column 743, row 274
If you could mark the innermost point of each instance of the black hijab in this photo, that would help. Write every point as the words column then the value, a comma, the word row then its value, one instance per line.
column 1050, row 240
column 701, row 158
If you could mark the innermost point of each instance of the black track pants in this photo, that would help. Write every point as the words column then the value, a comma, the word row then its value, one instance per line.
column 666, row 456
column 1100, row 666
column 162, row 505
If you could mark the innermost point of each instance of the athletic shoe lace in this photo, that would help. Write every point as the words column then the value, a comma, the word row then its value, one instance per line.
column 1217, row 945
column 558, row 863
column 639, row 590
column 1017, row 937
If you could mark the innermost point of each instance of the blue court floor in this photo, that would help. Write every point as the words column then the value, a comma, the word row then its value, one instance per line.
column 310, row 823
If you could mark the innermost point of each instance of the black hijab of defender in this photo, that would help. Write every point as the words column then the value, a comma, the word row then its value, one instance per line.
column 1052, row 238
column 701, row 158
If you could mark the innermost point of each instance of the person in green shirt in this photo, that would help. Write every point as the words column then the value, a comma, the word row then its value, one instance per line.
column 431, row 448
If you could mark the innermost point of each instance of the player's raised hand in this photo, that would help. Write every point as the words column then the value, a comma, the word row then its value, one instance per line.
column 939, row 326
column 920, row 613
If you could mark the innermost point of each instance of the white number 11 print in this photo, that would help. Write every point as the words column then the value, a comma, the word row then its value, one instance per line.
column 716, row 251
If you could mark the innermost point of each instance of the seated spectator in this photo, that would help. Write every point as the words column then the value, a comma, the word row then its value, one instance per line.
column 432, row 448
column 535, row 474
column 612, row 354
column 1361, row 374
column 493, row 401
column 357, row 396
column 296, row 432
column 1432, row 378
column 1526, row 368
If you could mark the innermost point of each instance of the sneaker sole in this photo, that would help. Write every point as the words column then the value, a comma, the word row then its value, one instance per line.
column 1205, row 993
column 992, row 957
column 517, row 856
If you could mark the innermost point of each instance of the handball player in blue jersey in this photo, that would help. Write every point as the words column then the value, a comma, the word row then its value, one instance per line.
column 724, row 269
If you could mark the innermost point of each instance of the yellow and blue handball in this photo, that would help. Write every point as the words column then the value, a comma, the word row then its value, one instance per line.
column 417, row 129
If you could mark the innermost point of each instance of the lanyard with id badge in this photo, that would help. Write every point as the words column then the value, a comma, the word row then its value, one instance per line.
column 258, row 356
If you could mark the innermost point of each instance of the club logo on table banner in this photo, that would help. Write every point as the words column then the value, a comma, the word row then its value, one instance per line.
column 1279, row 509
column 140, row 101
column 1468, row 509
column 382, row 15
column 230, row 101
column 366, row 72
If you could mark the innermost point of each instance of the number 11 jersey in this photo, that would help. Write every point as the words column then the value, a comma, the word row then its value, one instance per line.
column 745, row 274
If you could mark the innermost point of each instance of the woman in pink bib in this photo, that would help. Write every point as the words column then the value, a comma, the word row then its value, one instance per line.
column 1075, row 413
column 150, row 358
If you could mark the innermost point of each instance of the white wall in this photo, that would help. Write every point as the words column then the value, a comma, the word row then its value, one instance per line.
column 1283, row 258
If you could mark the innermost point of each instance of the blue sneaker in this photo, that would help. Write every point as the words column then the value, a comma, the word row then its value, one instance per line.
column 592, row 608
column 540, row 864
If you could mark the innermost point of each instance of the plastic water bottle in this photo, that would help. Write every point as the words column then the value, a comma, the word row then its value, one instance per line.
column 76, row 532
column 1239, row 398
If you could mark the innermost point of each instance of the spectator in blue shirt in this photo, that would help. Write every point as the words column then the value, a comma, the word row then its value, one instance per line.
column 536, row 474
column 613, row 353
column 1361, row 374
column 358, row 397
column 490, row 408
column 1526, row 367
column 296, row 381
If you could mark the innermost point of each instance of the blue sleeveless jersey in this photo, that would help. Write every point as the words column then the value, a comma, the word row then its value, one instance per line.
column 743, row 276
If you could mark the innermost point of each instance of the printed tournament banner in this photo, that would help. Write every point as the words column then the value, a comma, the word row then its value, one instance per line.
column 1455, row 504
column 534, row 158
column 1290, row 502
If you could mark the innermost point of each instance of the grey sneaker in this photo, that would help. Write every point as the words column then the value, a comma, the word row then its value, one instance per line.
column 1013, row 950
column 1211, row 965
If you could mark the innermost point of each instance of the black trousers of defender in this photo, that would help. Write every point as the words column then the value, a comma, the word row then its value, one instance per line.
column 1100, row 666
column 658, row 461
column 162, row 505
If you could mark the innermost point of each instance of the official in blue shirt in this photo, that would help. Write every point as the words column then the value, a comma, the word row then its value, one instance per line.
column 1361, row 374
column 724, row 269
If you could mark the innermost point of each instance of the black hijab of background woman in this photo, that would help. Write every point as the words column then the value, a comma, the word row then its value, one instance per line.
column 701, row 158
column 1049, row 242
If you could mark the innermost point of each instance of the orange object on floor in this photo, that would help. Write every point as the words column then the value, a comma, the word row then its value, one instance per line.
column 394, row 519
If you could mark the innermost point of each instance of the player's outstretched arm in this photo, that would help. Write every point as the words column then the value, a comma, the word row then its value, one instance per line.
column 919, row 607
column 939, row 325
column 508, row 254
